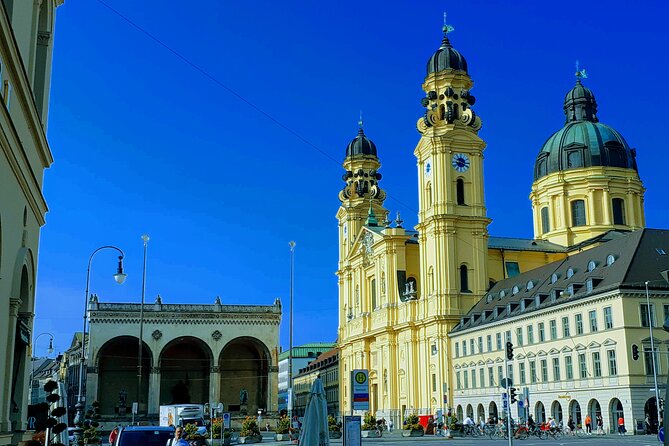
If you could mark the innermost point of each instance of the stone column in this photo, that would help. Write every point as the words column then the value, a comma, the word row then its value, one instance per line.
column 272, row 389
column 91, row 386
column 153, row 407
column 606, row 207
column 5, row 422
column 215, row 385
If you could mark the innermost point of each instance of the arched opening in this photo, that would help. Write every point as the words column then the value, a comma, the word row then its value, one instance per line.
column 545, row 222
column 470, row 411
column 464, row 279
column 575, row 412
column 578, row 213
column 460, row 191
column 428, row 195
column 244, row 367
column 459, row 412
column 184, row 371
column 650, row 409
column 480, row 413
column 556, row 411
column 539, row 412
column 618, row 205
column 615, row 412
column 595, row 411
column 22, row 337
column 492, row 411
column 118, row 363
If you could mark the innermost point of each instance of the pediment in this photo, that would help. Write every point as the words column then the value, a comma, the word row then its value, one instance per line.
column 521, row 356
column 531, row 355
column 541, row 353
column 553, row 351
column 481, row 362
column 490, row 361
column 498, row 359
column 609, row 342
column 594, row 344
column 566, row 349
column 579, row 347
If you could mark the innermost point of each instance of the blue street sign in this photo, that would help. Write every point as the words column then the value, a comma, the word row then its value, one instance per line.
column 660, row 434
column 520, row 404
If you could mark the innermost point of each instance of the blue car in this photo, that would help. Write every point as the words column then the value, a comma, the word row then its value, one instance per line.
column 144, row 436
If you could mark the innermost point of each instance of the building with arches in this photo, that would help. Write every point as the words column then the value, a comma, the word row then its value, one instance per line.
column 427, row 310
column 191, row 353
column 26, row 45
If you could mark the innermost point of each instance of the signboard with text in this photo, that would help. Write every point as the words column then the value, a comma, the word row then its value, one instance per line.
column 352, row 426
column 360, row 389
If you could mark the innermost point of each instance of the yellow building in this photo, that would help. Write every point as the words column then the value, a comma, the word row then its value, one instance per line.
column 403, row 293
column 26, row 45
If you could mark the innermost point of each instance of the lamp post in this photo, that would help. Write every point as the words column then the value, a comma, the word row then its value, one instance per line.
column 145, row 238
column 119, row 277
column 652, row 350
column 290, row 347
column 665, row 326
column 32, row 368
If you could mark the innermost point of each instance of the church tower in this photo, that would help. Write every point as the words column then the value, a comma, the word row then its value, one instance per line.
column 452, row 220
column 585, row 177
column 361, row 197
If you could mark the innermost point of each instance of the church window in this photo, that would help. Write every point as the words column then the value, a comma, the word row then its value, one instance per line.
column 574, row 159
column 530, row 285
column 610, row 259
column 428, row 195
column 618, row 211
column 578, row 213
column 373, row 293
column 617, row 157
column 570, row 272
column 464, row 279
column 460, row 191
column 545, row 223
column 514, row 290
column 512, row 269
column 554, row 278
column 591, row 265
column 541, row 168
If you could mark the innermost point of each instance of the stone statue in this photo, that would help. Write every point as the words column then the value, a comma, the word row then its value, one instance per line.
column 243, row 397
column 122, row 397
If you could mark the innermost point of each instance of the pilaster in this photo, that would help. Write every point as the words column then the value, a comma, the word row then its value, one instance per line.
column 154, row 391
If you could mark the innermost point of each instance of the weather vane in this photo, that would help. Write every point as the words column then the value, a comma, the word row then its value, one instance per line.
column 580, row 74
column 447, row 28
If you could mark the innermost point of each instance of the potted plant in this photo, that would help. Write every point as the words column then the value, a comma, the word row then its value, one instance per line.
column 334, row 430
column 192, row 435
column 214, row 435
column 369, row 428
column 412, row 427
column 282, row 428
column 250, row 431
column 227, row 435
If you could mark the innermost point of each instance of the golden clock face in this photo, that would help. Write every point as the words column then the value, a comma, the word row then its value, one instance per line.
column 360, row 377
column 460, row 162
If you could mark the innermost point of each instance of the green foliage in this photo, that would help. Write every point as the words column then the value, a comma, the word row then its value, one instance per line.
column 369, row 422
column 91, row 425
column 412, row 423
column 283, row 425
column 249, row 427
column 190, row 430
column 332, row 424
column 216, row 428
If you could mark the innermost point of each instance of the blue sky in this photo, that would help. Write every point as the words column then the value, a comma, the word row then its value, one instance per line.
column 145, row 143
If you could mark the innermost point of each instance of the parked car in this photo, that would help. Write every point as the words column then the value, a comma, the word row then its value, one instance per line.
column 144, row 436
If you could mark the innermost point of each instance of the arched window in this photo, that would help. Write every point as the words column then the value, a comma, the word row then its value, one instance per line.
column 618, row 211
column 570, row 272
column 464, row 279
column 460, row 191
column 591, row 265
column 578, row 213
column 428, row 195
column 610, row 259
column 545, row 223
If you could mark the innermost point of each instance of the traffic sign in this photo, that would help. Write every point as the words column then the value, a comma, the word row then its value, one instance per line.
column 506, row 382
column 505, row 397
column 520, row 404
column 660, row 434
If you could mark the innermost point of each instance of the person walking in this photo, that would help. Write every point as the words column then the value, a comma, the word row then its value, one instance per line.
column 178, row 440
column 588, row 424
column 621, row 425
column 600, row 425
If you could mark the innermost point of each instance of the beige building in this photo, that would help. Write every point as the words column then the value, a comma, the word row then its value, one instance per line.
column 325, row 367
column 402, row 292
column 191, row 353
column 26, row 45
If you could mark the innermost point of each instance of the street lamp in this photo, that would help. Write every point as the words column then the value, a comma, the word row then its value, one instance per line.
column 290, row 347
column 665, row 326
column 119, row 277
column 32, row 369
column 652, row 350
column 145, row 238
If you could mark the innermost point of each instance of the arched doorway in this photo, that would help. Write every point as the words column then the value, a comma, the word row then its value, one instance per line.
column 480, row 413
column 575, row 412
column 470, row 411
column 117, row 363
column 615, row 412
column 594, row 410
column 650, row 409
column 539, row 412
column 492, row 410
column 244, row 368
column 459, row 412
column 22, row 335
column 556, row 411
column 185, row 364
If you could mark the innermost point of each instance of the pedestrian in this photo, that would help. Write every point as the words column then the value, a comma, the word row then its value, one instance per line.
column 570, row 426
column 112, row 435
column 588, row 427
column 390, row 425
column 621, row 425
column 647, row 424
column 600, row 425
column 178, row 439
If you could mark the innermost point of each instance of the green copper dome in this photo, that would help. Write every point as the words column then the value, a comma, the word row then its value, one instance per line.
column 583, row 141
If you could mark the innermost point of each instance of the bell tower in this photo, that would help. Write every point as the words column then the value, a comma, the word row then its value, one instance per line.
column 361, row 197
column 452, row 220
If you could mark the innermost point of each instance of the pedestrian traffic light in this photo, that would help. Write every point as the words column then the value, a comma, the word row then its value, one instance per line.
column 509, row 350
column 635, row 352
column 512, row 395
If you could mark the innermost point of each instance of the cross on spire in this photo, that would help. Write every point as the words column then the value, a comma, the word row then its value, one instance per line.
column 447, row 28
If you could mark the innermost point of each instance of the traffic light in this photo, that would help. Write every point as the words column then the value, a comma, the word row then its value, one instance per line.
column 509, row 350
column 635, row 352
column 512, row 395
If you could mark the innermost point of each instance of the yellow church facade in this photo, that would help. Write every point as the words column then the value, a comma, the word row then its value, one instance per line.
column 403, row 292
